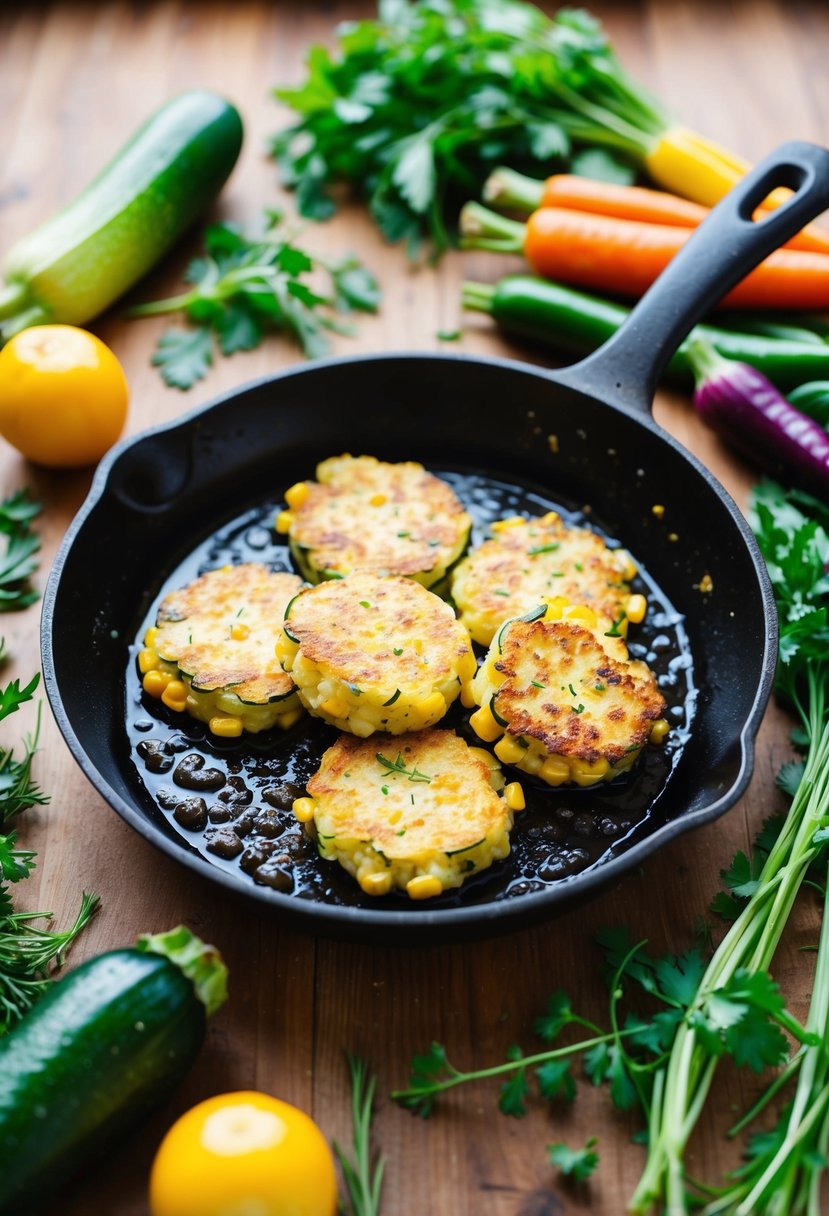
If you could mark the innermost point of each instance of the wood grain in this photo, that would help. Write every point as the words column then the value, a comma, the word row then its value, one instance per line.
column 75, row 79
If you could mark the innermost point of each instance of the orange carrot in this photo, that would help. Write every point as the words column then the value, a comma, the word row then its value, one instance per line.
column 624, row 257
column 505, row 188
column 625, row 202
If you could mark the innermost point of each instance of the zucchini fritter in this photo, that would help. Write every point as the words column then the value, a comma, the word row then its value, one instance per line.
column 211, row 650
column 420, row 813
column 365, row 514
column 375, row 654
column 566, row 703
column 529, row 560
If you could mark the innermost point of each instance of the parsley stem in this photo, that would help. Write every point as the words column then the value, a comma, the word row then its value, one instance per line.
column 542, row 1057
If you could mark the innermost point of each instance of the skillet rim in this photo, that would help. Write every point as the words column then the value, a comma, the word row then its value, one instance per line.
column 367, row 924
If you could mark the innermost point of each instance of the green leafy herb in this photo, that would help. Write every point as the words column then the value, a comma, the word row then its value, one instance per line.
column 578, row 1164
column 790, row 528
column 245, row 286
column 28, row 952
column 363, row 1176
column 415, row 108
column 19, row 561
column 536, row 549
column 399, row 766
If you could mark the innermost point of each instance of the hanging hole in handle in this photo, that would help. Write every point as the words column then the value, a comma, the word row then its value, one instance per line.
column 775, row 190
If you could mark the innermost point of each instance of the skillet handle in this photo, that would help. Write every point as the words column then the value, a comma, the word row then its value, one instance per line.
column 721, row 252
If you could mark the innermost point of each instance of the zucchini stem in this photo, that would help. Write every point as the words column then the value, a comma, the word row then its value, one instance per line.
column 12, row 297
column 35, row 315
column 484, row 229
column 202, row 964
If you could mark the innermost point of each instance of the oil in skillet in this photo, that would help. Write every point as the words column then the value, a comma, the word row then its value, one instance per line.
column 231, row 799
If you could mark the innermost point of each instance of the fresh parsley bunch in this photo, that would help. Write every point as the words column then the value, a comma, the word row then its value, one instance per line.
column 415, row 109
column 786, row 1166
column 243, row 287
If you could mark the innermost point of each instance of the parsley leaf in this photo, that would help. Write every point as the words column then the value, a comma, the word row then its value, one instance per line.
column 515, row 1090
column 578, row 1164
column 242, row 287
column 184, row 356
column 19, row 561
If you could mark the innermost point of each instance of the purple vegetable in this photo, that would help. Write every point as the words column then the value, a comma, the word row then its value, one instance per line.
column 746, row 409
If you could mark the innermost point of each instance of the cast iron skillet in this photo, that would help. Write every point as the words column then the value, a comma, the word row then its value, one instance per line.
column 155, row 497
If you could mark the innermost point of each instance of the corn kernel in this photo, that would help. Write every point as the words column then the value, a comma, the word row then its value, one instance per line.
column 239, row 632
column 467, row 666
column 297, row 494
column 151, row 635
column 658, row 510
column 555, row 607
column 514, row 520
column 285, row 650
column 425, row 886
column 226, row 728
column 584, row 773
column 555, row 770
column 580, row 612
column 637, row 606
column 147, row 660
column 468, row 694
column 509, row 750
column 174, row 696
column 531, row 763
column 303, row 809
column 376, row 883
column 432, row 707
column 377, row 500
column 155, row 682
column 284, row 520
column 514, row 796
column 335, row 707
column 485, row 726
column 629, row 571
column 286, row 721
column 551, row 517
column 660, row 730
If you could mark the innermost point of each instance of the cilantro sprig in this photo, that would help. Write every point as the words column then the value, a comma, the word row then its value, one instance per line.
column 243, row 287
column 414, row 109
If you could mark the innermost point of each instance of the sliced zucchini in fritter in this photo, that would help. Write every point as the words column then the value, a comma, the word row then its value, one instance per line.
column 365, row 514
column 559, row 692
column 418, row 813
column 528, row 560
column 211, row 652
column 375, row 654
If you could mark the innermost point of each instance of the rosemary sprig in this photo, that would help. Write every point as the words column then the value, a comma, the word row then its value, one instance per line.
column 363, row 1179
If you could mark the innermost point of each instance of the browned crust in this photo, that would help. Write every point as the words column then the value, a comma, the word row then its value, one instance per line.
column 569, row 661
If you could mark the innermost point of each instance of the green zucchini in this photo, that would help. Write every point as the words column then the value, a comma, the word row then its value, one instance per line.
column 104, row 1046
column 76, row 264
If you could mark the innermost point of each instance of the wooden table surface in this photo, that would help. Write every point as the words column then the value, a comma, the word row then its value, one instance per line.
column 75, row 80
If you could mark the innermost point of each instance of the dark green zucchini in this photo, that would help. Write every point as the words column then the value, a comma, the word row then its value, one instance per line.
column 104, row 1046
